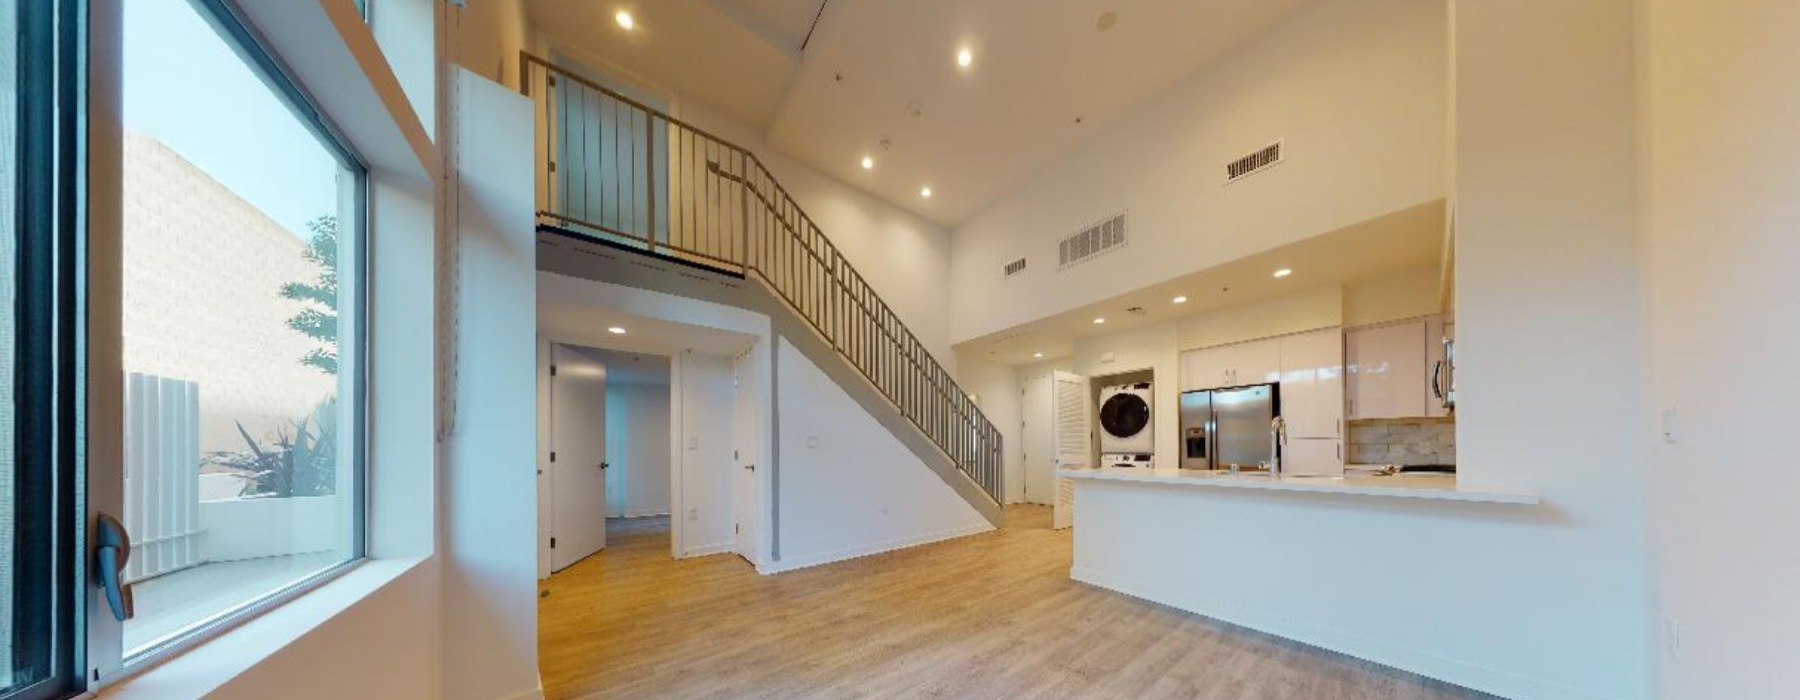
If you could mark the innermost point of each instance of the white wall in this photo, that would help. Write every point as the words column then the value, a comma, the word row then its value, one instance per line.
column 1548, row 305
column 702, row 403
column 489, row 490
column 486, row 36
column 1355, row 87
column 848, row 487
column 637, row 448
column 1720, row 109
column 1407, row 295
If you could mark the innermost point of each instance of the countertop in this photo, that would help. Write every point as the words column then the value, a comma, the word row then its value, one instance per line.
column 1442, row 487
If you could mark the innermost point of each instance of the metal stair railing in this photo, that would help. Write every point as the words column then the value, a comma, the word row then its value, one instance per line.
column 616, row 169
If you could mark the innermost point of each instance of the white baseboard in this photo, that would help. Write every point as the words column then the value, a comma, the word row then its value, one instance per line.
column 811, row 560
column 641, row 514
column 532, row 694
column 1502, row 683
column 707, row 550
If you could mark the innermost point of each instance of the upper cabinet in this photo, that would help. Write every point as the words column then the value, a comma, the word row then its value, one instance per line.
column 1312, row 384
column 1387, row 370
column 1238, row 364
column 1391, row 368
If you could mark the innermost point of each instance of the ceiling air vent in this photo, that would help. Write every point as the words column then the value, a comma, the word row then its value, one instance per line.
column 1099, row 238
column 1254, row 163
column 1015, row 267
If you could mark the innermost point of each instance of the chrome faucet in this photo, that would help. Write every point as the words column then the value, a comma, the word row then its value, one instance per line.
column 1277, row 438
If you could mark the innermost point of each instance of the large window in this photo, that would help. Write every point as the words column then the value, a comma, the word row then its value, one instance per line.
column 242, row 253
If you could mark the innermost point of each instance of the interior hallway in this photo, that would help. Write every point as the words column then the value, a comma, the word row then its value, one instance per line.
column 986, row 616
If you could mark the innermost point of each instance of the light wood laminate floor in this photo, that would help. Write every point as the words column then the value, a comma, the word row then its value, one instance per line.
column 986, row 616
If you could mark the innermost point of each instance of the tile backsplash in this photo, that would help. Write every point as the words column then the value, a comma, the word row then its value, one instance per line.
column 1403, row 441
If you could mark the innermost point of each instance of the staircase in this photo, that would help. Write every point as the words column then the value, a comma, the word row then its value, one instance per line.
column 629, row 194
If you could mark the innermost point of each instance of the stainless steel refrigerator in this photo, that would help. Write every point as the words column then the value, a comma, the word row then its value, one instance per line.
column 1223, row 427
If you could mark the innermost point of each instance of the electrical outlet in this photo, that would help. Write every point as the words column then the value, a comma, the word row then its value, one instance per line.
column 1672, row 637
column 1671, row 417
column 812, row 442
column 693, row 513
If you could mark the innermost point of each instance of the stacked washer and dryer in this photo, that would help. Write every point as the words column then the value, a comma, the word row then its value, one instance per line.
column 1127, row 433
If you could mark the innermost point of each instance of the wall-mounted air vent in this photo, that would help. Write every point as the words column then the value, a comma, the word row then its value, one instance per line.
column 1015, row 267
column 1254, row 163
column 1106, row 236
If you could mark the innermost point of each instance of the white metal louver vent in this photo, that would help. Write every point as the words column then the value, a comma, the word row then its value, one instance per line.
column 1105, row 236
column 1257, row 162
column 1015, row 267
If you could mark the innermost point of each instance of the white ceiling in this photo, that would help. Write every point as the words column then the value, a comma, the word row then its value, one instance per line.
column 731, row 54
column 1038, row 66
column 568, row 321
column 629, row 367
column 1399, row 243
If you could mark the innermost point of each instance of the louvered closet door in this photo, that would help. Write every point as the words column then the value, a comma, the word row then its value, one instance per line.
column 1072, row 432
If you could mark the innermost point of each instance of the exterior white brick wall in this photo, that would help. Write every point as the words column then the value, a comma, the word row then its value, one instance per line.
column 202, row 297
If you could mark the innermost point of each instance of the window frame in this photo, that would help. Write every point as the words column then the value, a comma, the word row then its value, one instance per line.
column 107, row 661
column 48, row 383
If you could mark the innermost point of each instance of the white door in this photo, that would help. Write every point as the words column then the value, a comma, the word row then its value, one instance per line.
column 1312, row 384
column 1072, row 434
column 546, row 494
column 1038, row 444
column 746, row 450
column 578, row 465
column 1386, row 370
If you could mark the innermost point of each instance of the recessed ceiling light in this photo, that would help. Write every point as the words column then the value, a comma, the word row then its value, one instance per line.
column 1099, row 320
column 868, row 163
column 625, row 20
column 925, row 192
column 1179, row 300
column 1038, row 355
column 1283, row 272
column 615, row 330
column 964, row 58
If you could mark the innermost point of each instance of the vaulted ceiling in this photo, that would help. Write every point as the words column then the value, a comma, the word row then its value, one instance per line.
column 881, row 78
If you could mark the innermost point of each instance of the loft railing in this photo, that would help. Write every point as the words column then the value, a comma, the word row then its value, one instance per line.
column 617, row 169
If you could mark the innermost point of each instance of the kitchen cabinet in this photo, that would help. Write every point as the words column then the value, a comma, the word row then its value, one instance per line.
column 1312, row 384
column 1387, row 370
column 1238, row 364
column 1313, row 457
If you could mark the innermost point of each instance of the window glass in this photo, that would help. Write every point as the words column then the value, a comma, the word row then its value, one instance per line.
column 242, row 249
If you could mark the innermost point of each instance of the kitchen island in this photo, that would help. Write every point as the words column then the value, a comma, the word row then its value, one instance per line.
column 1441, row 487
column 1344, row 563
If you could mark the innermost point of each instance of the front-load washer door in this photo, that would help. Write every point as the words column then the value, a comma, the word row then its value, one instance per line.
column 1124, row 414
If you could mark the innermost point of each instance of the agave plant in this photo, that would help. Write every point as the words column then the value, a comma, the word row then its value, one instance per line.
column 300, row 462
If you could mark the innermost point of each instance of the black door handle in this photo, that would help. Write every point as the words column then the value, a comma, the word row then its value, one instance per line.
column 111, row 552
